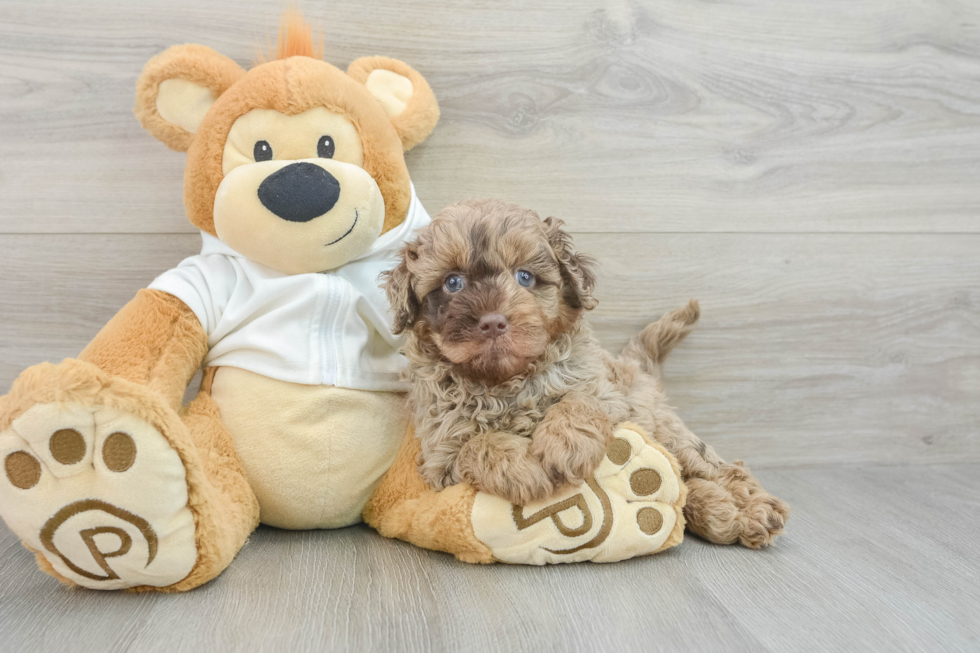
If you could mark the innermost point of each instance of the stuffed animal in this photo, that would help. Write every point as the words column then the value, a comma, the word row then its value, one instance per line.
column 297, row 180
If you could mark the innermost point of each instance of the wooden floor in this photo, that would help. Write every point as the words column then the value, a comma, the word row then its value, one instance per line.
column 809, row 171
column 878, row 558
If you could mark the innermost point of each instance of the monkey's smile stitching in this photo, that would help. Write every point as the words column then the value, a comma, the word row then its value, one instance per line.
column 346, row 234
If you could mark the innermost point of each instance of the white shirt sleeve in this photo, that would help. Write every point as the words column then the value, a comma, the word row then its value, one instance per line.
column 203, row 282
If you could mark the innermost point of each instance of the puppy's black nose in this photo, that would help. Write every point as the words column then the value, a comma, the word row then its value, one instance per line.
column 299, row 192
column 493, row 325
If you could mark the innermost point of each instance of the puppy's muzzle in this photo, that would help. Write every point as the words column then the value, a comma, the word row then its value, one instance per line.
column 493, row 326
column 299, row 192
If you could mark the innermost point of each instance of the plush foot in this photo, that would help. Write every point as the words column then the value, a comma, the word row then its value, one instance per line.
column 733, row 507
column 631, row 506
column 99, row 494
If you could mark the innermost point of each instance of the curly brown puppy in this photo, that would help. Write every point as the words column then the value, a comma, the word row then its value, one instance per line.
column 512, row 393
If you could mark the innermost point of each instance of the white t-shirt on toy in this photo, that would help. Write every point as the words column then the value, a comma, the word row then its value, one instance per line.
column 318, row 328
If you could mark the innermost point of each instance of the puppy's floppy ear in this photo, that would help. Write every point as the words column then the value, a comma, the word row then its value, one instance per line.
column 176, row 89
column 403, row 92
column 577, row 270
column 397, row 284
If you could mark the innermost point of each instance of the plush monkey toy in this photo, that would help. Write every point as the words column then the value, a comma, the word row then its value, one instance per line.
column 297, row 180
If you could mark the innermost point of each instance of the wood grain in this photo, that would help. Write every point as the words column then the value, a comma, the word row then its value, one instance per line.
column 813, row 349
column 872, row 562
column 838, row 116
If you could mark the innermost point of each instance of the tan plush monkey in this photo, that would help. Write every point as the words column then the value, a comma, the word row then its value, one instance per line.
column 297, row 180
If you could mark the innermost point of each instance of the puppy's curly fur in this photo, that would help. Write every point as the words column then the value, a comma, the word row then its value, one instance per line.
column 527, row 402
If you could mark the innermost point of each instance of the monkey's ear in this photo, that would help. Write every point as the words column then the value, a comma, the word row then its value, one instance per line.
column 397, row 284
column 403, row 92
column 177, row 88
column 577, row 270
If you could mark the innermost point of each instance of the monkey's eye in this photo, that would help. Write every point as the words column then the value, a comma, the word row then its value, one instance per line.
column 325, row 147
column 454, row 283
column 262, row 151
column 524, row 278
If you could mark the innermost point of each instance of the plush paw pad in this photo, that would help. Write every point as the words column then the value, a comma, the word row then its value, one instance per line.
column 629, row 507
column 101, row 494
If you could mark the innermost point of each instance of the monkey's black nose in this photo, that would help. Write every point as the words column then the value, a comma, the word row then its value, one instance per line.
column 299, row 192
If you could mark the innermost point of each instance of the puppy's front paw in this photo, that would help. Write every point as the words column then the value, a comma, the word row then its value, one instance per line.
column 501, row 464
column 567, row 458
column 438, row 478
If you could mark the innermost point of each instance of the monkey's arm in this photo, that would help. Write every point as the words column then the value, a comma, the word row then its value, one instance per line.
column 155, row 340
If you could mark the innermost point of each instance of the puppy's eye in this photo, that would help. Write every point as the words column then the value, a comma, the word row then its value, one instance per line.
column 454, row 283
column 262, row 151
column 325, row 147
column 524, row 278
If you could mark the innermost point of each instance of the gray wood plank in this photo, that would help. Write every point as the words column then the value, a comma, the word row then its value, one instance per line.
column 839, row 116
column 812, row 348
column 884, row 555
column 871, row 562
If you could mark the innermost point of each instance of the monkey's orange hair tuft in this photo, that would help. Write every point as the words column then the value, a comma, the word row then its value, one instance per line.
column 295, row 39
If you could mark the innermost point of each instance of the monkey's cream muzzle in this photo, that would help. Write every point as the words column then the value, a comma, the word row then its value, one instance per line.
column 300, row 216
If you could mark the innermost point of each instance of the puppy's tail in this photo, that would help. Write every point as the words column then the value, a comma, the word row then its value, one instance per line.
column 650, row 347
